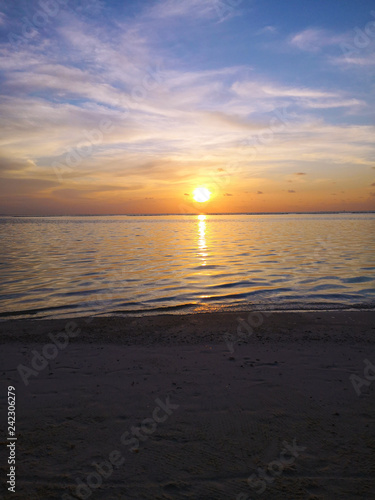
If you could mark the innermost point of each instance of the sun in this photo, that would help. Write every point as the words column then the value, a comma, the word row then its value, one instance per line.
column 201, row 194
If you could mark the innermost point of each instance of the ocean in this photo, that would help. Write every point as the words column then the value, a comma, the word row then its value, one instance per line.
column 105, row 265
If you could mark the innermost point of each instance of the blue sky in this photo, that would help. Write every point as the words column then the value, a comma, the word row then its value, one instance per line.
column 126, row 107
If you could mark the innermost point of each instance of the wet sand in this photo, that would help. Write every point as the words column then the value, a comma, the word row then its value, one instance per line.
column 191, row 406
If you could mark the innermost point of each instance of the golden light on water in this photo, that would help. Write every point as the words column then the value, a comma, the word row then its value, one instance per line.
column 202, row 245
column 201, row 194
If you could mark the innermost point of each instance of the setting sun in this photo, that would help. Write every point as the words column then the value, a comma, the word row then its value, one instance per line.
column 201, row 194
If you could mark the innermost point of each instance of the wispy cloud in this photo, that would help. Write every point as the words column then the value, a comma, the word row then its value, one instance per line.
column 348, row 49
column 267, row 30
column 192, row 9
column 303, row 97
column 315, row 39
column 355, row 59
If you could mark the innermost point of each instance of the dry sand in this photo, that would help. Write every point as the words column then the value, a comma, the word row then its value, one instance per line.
column 232, row 407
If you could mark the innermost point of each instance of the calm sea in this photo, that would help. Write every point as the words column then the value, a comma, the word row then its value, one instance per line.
column 67, row 266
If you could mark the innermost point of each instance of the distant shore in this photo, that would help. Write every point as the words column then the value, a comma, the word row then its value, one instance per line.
column 195, row 406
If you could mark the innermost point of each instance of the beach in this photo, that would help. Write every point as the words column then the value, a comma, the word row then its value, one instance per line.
column 196, row 406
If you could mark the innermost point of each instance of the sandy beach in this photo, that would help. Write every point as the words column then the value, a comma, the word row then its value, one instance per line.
column 200, row 406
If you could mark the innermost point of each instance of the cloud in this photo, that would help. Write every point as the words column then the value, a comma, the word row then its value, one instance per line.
column 358, row 60
column 91, row 6
column 191, row 9
column 315, row 39
column 357, row 51
column 9, row 165
column 186, row 194
column 270, row 94
column 373, row 184
column 267, row 30
column 291, row 191
column 228, row 194
column 339, row 103
column 29, row 186
column 300, row 173
column 295, row 92
column 86, row 190
column 267, row 90
column 228, row 119
column 260, row 192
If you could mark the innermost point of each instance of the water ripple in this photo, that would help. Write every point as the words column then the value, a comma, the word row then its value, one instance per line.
column 101, row 265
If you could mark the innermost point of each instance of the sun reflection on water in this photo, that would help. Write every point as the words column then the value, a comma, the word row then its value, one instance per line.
column 202, row 244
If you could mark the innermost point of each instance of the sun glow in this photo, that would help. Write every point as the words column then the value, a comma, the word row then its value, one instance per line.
column 201, row 194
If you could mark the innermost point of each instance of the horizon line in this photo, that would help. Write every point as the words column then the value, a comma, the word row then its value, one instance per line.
column 196, row 213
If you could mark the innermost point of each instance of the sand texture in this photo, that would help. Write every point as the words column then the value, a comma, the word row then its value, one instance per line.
column 191, row 406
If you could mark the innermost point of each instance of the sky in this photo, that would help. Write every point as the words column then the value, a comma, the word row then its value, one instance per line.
column 126, row 107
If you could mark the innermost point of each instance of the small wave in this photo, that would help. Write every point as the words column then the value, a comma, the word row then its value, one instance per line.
column 151, row 309
column 358, row 279
column 336, row 296
column 251, row 293
column 209, row 266
column 79, row 293
column 327, row 287
column 32, row 312
column 236, row 284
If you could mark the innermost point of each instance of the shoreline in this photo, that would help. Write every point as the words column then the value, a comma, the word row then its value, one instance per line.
column 182, row 310
column 215, row 327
